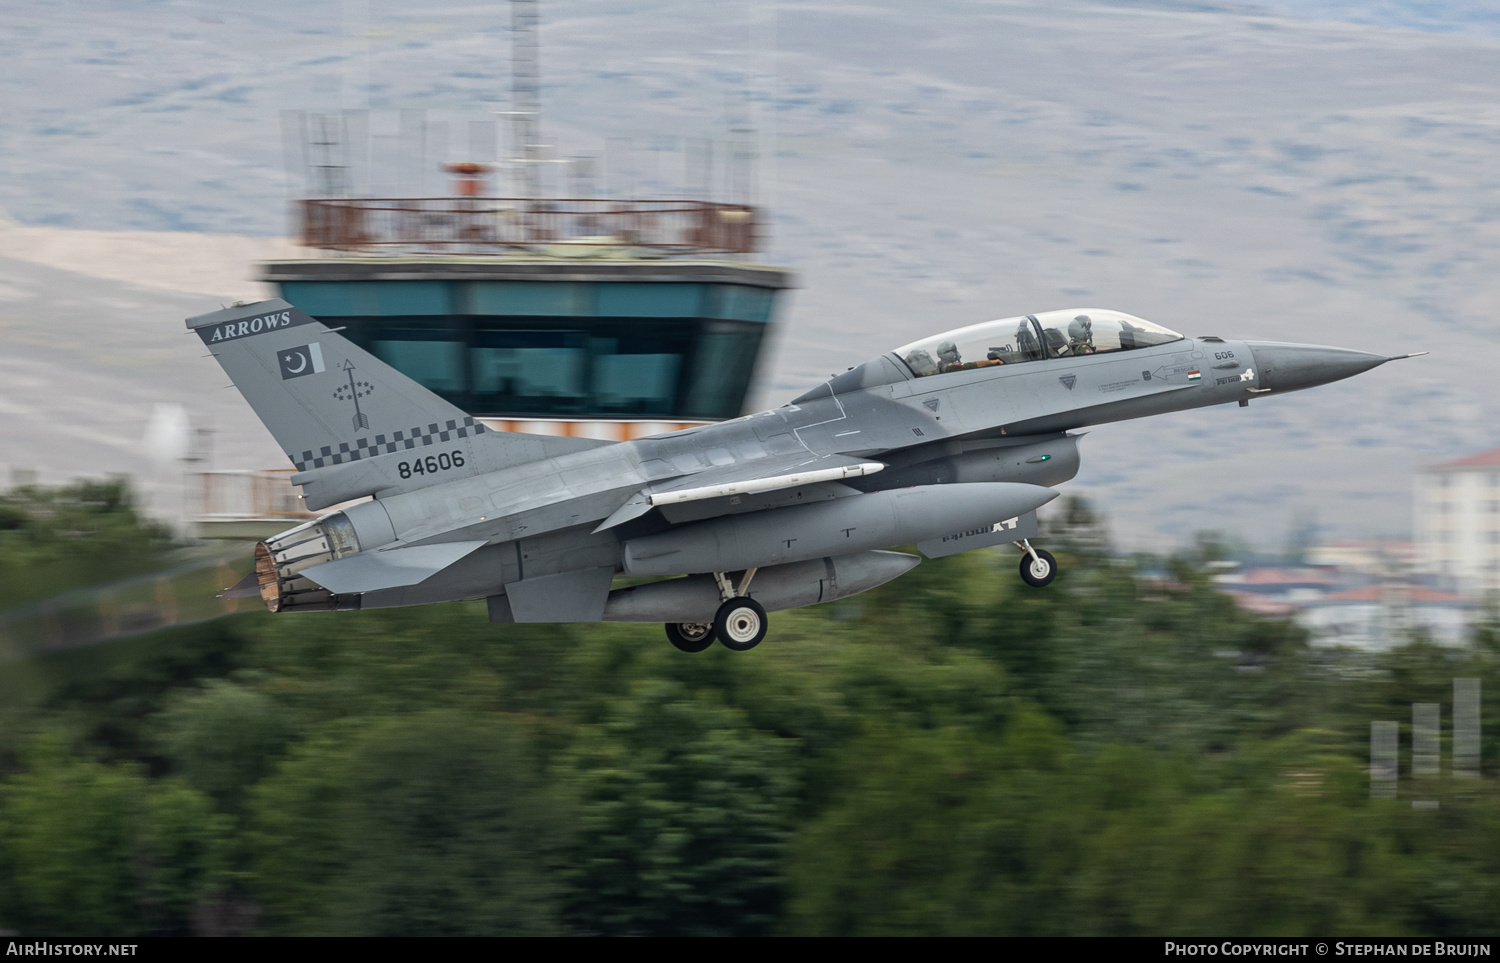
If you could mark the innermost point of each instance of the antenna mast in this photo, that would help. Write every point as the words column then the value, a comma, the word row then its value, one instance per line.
column 526, row 97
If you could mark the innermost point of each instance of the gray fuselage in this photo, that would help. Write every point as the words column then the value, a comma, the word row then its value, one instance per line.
column 1005, row 423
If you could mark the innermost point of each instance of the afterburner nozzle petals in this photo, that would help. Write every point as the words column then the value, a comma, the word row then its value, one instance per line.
column 1289, row 367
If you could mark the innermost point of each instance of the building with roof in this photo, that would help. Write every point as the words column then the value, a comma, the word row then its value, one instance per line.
column 1291, row 586
column 1382, row 616
column 1457, row 520
column 1361, row 596
column 1374, row 558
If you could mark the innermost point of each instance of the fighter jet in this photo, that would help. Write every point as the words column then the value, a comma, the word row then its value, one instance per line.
column 950, row 443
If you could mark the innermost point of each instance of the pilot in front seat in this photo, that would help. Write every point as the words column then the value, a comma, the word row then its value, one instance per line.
column 949, row 359
column 921, row 363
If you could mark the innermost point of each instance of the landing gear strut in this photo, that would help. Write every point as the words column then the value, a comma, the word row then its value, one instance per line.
column 741, row 621
column 1038, row 567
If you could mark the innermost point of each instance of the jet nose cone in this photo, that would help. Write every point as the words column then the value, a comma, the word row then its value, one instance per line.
column 1287, row 367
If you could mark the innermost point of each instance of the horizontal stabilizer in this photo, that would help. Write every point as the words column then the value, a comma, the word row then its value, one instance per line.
column 393, row 568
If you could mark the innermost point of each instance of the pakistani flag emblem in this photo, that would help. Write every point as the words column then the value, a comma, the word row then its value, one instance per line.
column 1068, row 381
column 304, row 360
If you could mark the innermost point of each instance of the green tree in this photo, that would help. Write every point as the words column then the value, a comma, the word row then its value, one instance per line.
column 54, row 539
column 426, row 824
column 941, row 831
column 91, row 850
column 223, row 738
column 682, row 815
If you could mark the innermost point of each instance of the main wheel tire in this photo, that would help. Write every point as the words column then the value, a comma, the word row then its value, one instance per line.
column 690, row 636
column 1039, row 571
column 740, row 624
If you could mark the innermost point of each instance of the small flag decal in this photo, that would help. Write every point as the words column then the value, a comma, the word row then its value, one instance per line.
column 1195, row 375
column 300, row 361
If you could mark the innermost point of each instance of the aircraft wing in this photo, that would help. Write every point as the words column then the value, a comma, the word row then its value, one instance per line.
column 743, row 478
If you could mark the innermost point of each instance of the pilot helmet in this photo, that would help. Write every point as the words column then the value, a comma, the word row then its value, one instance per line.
column 948, row 352
column 1081, row 329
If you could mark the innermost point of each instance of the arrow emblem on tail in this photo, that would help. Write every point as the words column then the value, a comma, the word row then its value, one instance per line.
column 353, row 391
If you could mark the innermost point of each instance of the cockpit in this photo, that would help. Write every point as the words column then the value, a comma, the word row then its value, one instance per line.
column 1035, row 337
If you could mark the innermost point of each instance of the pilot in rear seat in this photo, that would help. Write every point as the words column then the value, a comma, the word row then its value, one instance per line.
column 1081, row 335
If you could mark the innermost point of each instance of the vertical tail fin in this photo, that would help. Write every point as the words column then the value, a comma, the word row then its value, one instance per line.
column 326, row 400
column 329, row 402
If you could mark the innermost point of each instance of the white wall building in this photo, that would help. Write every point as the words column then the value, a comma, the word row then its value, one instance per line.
column 1382, row 616
column 1457, row 516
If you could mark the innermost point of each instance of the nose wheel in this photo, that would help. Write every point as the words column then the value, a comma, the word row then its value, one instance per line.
column 1038, row 567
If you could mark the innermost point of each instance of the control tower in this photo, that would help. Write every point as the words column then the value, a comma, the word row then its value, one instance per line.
column 536, row 309
column 583, row 317
column 602, row 318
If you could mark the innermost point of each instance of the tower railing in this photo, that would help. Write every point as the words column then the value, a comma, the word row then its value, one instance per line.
column 456, row 225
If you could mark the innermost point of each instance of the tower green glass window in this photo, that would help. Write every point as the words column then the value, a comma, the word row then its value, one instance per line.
column 564, row 349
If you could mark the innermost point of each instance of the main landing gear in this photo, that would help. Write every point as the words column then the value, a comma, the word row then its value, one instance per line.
column 1038, row 567
column 740, row 624
column 691, row 636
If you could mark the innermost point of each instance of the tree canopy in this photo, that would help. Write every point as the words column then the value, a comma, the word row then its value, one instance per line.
column 954, row 753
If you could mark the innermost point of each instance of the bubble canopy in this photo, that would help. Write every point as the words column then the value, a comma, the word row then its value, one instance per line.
column 1071, row 333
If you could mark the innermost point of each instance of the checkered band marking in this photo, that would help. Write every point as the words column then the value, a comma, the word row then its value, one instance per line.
column 417, row 437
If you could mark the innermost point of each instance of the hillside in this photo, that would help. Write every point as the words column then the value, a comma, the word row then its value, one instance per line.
column 1221, row 170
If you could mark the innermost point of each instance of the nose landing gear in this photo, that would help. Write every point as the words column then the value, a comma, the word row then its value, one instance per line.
column 1038, row 567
